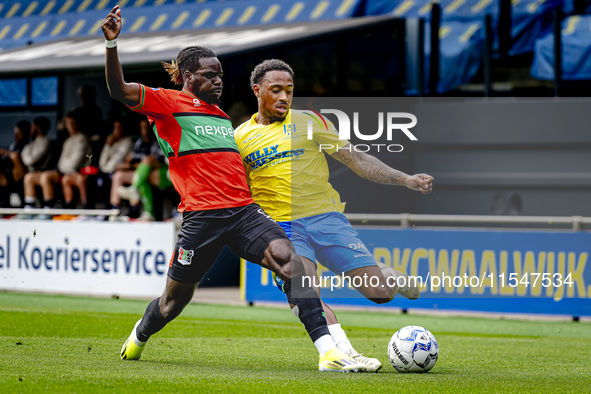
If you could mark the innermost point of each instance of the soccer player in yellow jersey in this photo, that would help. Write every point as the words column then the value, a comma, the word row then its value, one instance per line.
column 288, row 177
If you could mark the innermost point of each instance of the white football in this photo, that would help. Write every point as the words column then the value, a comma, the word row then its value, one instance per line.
column 413, row 349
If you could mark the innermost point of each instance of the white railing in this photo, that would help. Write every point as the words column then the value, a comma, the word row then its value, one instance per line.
column 76, row 212
column 577, row 223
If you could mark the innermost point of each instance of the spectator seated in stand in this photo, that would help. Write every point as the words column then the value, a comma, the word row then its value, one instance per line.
column 36, row 155
column 12, row 169
column 117, row 147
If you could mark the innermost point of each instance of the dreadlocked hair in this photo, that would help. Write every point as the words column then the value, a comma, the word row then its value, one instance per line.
column 268, row 65
column 186, row 60
column 174, row 72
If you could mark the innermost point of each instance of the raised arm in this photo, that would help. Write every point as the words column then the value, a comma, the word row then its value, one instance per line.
column 372, row 169
column 128, row 93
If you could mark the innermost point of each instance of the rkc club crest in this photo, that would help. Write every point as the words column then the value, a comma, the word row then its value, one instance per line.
column 289, row 129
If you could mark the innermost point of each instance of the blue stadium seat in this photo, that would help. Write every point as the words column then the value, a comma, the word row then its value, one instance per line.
column 26, row 8
column 576, row 53
column 456, row 10
column 530, row 20
column 461, row 46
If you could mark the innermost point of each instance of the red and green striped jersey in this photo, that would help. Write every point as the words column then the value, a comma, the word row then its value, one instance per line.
column 205, row 164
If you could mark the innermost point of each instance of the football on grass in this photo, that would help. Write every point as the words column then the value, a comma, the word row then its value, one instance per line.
column 413, row 349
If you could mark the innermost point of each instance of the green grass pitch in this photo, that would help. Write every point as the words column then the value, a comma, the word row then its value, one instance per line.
column 71, row 344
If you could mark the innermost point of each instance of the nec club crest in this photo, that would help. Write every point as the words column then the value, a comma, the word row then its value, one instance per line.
column 185, row 256
column 289, row 129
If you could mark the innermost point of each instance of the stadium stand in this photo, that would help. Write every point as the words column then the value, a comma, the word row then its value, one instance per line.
column 462, row 35
column 23, row 23
column 462, row 43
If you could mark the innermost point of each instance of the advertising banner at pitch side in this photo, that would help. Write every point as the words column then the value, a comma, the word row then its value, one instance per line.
column 478, row 270
column 126, row 259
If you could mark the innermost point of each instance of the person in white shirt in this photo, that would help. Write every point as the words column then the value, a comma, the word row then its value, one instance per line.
column 36, row 154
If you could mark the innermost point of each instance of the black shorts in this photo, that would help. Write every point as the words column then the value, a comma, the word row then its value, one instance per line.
column 246, row 230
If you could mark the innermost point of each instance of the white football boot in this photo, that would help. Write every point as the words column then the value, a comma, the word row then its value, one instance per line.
column 372, row 364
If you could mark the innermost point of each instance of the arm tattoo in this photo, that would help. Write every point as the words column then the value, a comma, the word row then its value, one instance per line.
column 343, row 157
column 370, row 168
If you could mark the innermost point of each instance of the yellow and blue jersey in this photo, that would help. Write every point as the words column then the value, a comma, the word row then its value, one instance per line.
column 287, row 172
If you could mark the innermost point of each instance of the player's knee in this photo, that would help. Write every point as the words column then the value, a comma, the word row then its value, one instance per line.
column 382, row 295
column 287, row 261
column 285, row 272
column 281, row 252
column 413, row 292
column 292, row 268
column 390, row 292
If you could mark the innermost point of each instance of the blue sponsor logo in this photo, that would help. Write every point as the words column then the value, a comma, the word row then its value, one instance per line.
column 270, row 154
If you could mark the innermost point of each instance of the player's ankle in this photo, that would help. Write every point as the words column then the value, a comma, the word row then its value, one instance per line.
column 324, row 344
column 135, row 338
column 340, row 339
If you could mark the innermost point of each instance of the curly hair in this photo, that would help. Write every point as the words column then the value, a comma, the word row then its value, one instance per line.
column 186, row 60
column 268, row 65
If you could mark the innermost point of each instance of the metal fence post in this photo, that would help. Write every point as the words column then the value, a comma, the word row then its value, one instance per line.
column 578, row 223
column 487, row 55
column 557, row 26
column 434, row 57
column 404, row 220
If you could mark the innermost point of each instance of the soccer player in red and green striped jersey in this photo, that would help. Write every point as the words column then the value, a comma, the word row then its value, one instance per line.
column 206, row 170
